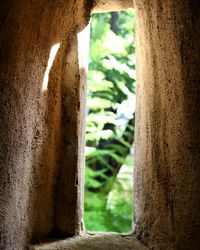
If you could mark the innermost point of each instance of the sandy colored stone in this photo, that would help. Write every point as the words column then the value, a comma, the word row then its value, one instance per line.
column 31, row 119
column 111, row 5
column 40, row 142
column 111, row 241
column 167, row 171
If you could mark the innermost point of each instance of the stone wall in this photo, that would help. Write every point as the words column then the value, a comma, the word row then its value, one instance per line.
column 40, row 121
column 32, row 117
column 167, row 174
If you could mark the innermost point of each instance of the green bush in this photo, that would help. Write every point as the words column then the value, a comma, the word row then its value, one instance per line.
column 109, row 136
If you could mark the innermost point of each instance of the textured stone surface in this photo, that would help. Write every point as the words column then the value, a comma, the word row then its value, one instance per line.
column 95, row 242
column 40, row 184
column 167, row 172
column 111, row 5
column 32, row 119
column 40, row 168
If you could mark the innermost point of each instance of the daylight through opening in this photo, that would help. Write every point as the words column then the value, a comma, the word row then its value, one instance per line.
column 110, row 116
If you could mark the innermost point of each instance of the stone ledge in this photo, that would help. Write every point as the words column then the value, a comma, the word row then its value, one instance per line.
column 100, row 241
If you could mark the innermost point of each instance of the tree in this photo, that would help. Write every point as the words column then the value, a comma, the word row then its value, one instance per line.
column 111, row 87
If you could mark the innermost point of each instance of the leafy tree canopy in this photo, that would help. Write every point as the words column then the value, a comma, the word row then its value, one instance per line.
column 110, row 122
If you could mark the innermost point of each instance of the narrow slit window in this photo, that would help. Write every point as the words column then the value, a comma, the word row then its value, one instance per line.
column 110, row 119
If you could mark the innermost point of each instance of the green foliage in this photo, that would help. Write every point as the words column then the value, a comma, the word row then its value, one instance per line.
column 111, row 82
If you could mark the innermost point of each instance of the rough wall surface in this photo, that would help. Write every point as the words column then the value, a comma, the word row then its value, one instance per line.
column 40, row 184
column 39, row 127
column 101, row 241
column 111, row 5
column 31, row 119
column 167, row 173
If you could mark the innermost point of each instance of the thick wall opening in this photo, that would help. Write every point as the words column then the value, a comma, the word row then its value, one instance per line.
column 110, row 118
column 39, row 130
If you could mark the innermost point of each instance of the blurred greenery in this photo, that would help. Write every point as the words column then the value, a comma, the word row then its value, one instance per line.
column 110, row 123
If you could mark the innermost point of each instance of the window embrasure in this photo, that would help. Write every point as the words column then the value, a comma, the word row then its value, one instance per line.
column 110, row 116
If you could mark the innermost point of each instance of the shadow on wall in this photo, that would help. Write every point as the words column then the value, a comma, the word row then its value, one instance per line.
column 45, row 146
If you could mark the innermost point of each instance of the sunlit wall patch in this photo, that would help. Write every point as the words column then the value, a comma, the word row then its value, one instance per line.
column 51, row 59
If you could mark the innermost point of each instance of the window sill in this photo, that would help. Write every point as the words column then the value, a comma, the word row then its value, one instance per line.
column 99, row 241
